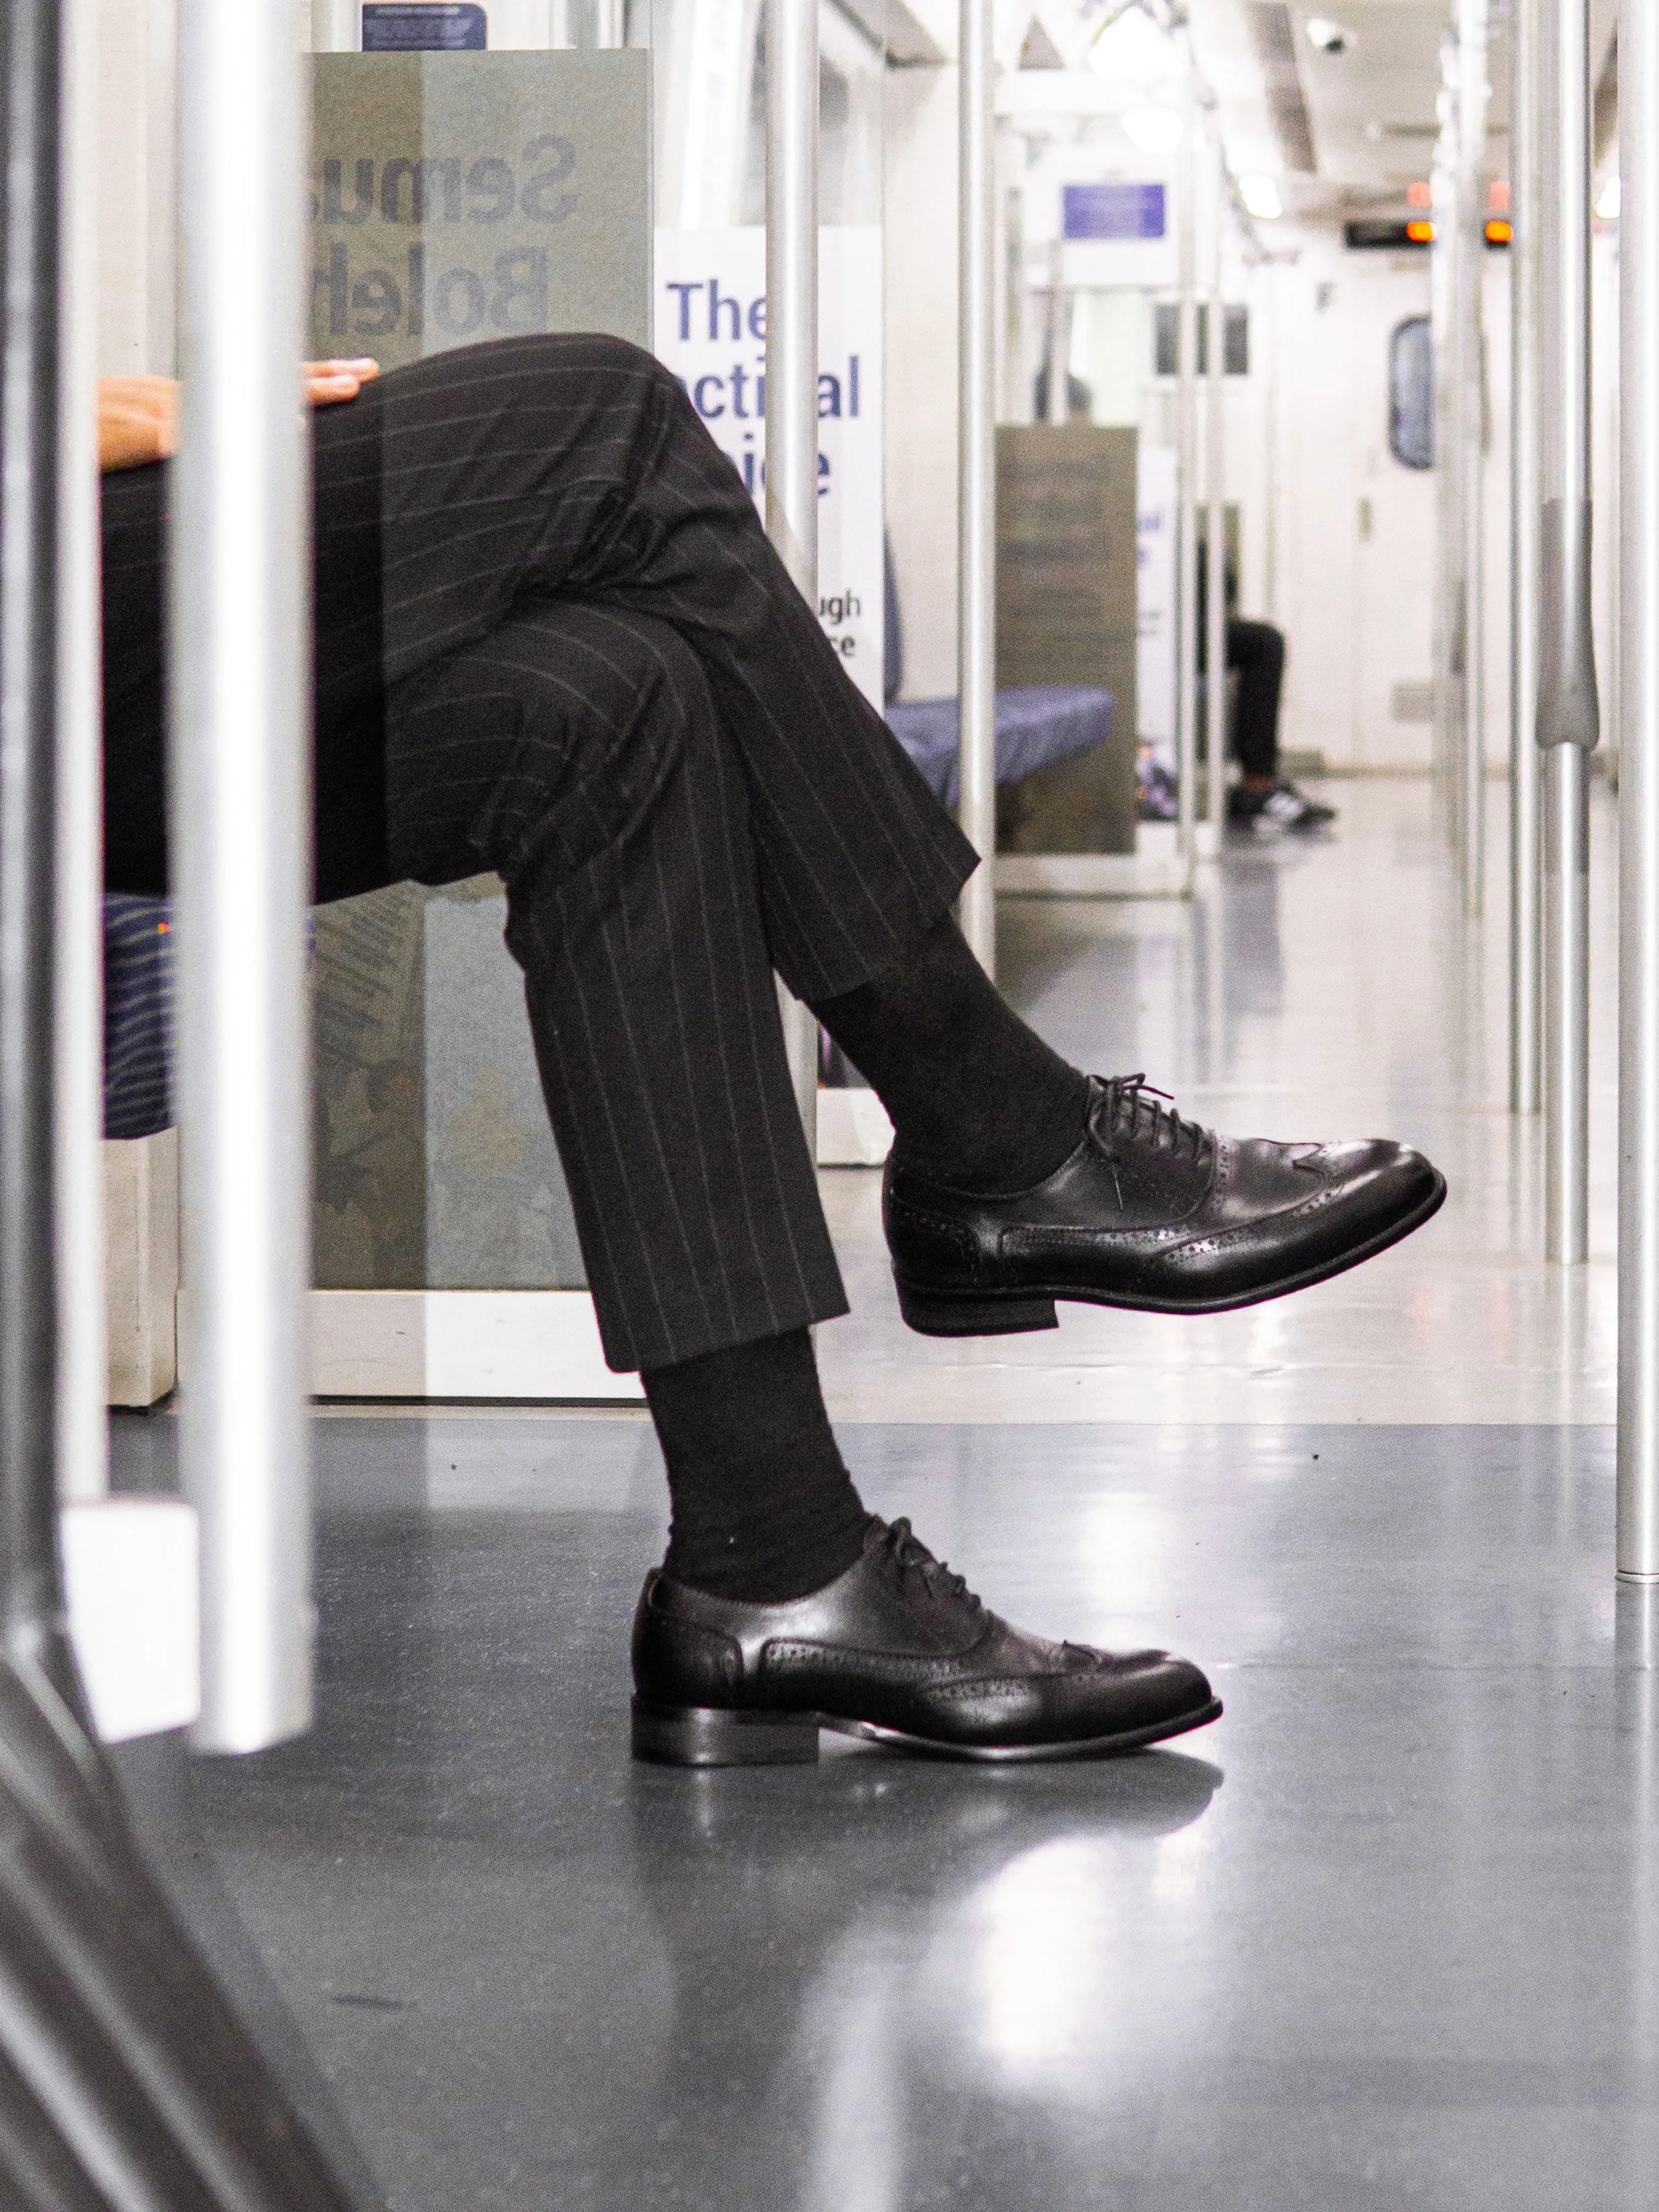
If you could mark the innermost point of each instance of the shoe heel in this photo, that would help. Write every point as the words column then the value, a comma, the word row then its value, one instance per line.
column 703, row 1736
column 1006, row 1314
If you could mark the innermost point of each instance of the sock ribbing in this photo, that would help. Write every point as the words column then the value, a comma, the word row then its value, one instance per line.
column 977, row 1100
column 764, row 1509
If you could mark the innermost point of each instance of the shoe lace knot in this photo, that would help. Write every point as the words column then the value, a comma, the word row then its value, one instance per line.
column 913, row 1557
column 1136, row 1112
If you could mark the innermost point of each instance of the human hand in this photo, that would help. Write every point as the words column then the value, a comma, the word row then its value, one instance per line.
column 328, row 382
column 138, row 420
column 138, row 415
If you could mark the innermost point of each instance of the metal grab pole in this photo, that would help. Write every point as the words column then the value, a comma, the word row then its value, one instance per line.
column 1057, row 376
column 1215, row 470
column 1471, row 102
column 1524, row 195
column 241, row 862
column 1448, row 538
column 1567, row 710
column 31, row 1600
column 82, row 1378
column 977, row 583
column 792, row 374
column 1638, row 803
column 130, row 2079
column 1187, row 487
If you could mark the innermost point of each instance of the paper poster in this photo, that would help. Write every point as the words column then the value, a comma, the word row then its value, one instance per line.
column 710, row 330
column 461, row 197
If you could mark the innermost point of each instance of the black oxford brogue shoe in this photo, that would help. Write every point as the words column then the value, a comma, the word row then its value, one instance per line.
column 898, row 1650
column 1150, row 1211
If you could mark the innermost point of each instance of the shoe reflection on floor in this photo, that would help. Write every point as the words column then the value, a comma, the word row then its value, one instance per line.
column 894, row 1975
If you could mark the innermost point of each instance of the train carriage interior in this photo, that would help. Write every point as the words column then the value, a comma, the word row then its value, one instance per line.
column 1214, row 441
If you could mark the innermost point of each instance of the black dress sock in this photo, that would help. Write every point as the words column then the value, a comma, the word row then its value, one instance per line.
column 977, row 1099
column 763, row 1507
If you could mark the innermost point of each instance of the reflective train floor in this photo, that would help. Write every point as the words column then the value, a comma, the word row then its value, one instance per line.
column 1387, row 1936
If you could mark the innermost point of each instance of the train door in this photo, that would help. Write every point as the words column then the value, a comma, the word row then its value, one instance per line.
column 1391, row 504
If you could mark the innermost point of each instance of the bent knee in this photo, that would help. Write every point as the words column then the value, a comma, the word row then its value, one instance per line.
column 617, row 361
column 658, row 679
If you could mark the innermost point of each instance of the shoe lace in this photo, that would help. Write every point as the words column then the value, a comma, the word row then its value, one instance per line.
column 911, row 1557
column 1140, row 1114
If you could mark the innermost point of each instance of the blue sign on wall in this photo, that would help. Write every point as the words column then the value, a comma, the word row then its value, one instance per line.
column 412, row 26
column 1116, row 211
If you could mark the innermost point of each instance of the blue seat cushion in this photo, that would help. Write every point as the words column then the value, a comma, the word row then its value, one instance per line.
column 1037, row 724
column 138, row 1015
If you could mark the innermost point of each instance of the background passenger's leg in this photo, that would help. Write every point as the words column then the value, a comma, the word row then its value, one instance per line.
column 1257, row 650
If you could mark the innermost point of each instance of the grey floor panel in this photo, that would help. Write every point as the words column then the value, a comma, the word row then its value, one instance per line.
column 1386, row 1937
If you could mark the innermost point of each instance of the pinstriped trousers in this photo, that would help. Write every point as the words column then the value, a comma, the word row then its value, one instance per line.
column 552, row 640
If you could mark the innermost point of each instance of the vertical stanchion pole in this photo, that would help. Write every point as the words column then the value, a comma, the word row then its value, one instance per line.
column 1272, row 337
column 242, row 864
column 1057, row 377
column 976, row 495
column 791, row 372
column 83, row 1427
column 336, row 26
column 1215, row 469
column 1567, row 708
column 1472, row 102
column 1638, row 801
column 130, row 2079
column 1448, row 608
column 1524, row 980
column 610, row 23
column 1187, row 480
column 31, row 57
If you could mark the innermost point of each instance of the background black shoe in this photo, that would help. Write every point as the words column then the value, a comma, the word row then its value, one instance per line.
column 1150, row 1211
column 1285, row 807
column 898, row 1649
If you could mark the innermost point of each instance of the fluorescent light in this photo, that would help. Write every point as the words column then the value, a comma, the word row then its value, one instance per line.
column 1260, row 196
column 1154, row 130
column 1607, row 206
column 1132, row 50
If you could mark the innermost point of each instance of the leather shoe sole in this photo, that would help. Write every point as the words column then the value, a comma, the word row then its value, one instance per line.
column 936, row 1310
column 706, row 1735
column 897, row 1651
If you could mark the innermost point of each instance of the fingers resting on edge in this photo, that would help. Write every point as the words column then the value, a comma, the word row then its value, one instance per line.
column 138, row 415
column 328, row 382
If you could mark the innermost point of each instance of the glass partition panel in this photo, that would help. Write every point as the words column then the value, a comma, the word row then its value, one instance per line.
column 485, row 168
column 1086, row 464
column 479, row 170
column 709, row 311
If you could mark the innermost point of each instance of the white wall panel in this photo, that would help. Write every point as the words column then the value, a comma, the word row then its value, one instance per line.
column 136, row 235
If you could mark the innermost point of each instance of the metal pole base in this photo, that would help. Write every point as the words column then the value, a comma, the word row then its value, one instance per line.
column 130, row 2079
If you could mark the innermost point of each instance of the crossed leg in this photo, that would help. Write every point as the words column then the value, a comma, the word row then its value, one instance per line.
column 551, row 639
